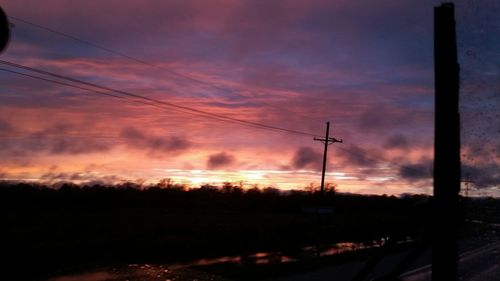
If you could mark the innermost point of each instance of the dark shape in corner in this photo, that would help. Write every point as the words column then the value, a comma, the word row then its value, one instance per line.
column 4, row 31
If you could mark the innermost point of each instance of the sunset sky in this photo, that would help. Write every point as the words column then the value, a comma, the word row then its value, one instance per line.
column 365, row 66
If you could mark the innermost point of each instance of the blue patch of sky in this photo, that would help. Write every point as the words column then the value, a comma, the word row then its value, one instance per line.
column 52, row 46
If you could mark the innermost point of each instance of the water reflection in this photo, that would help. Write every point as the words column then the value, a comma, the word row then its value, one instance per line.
column 279, row 257
column 142, row 272
column 94, row 276
column 343, row 247
column 256, row 258
column 185, row 271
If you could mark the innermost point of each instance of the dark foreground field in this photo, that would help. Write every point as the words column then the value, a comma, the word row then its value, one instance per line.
column 47, row 231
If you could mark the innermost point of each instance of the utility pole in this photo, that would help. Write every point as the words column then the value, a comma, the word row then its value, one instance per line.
column 327, row 141
column 446, row 146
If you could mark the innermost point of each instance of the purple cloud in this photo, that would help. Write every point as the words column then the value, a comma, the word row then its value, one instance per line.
column 139, row 140
column 306, row 157
column 397, row 141
column 220, row 160
column 415, row 172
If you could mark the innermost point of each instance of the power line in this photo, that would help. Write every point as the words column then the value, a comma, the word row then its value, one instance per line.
column 355, row 153
column 126, row 99
column 141, row 61
column 79, row 87
column 88, row 43
column 35, row 135
column 150, row 103
column 134, row 59
column 105, row 93
column 61, row 83
column 152, row 100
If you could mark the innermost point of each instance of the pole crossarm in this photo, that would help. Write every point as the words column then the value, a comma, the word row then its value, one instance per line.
column 330, row 140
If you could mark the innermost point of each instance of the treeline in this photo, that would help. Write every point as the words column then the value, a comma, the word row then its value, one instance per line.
column 168, row 195
column 46, row 228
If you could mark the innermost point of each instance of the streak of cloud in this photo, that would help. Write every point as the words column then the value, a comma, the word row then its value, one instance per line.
column 56, row 140
column 137, row 139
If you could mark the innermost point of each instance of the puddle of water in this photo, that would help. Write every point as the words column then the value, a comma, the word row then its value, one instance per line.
column 235, row 259
column 183, row 271
column 143, row 272
column 343, row 247
column 278, row 257
column 257, row 258
column 94, row 276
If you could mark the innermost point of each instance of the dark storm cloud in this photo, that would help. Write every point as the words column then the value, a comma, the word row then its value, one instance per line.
column 220, row 160
column 482, row 175
column 357, row 156
column 57, row 139
column 416, row 172
column 481, row 162
column 140, row 140
column 481, row 150
column 397, row 142
column 306, row 157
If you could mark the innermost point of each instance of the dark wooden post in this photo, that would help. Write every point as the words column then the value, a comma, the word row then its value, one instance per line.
column 327, row 137
column 327, row 141
column 446, row 146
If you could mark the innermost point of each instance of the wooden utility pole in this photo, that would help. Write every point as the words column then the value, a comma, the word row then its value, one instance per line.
column 446, row 146
column 327, row 141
